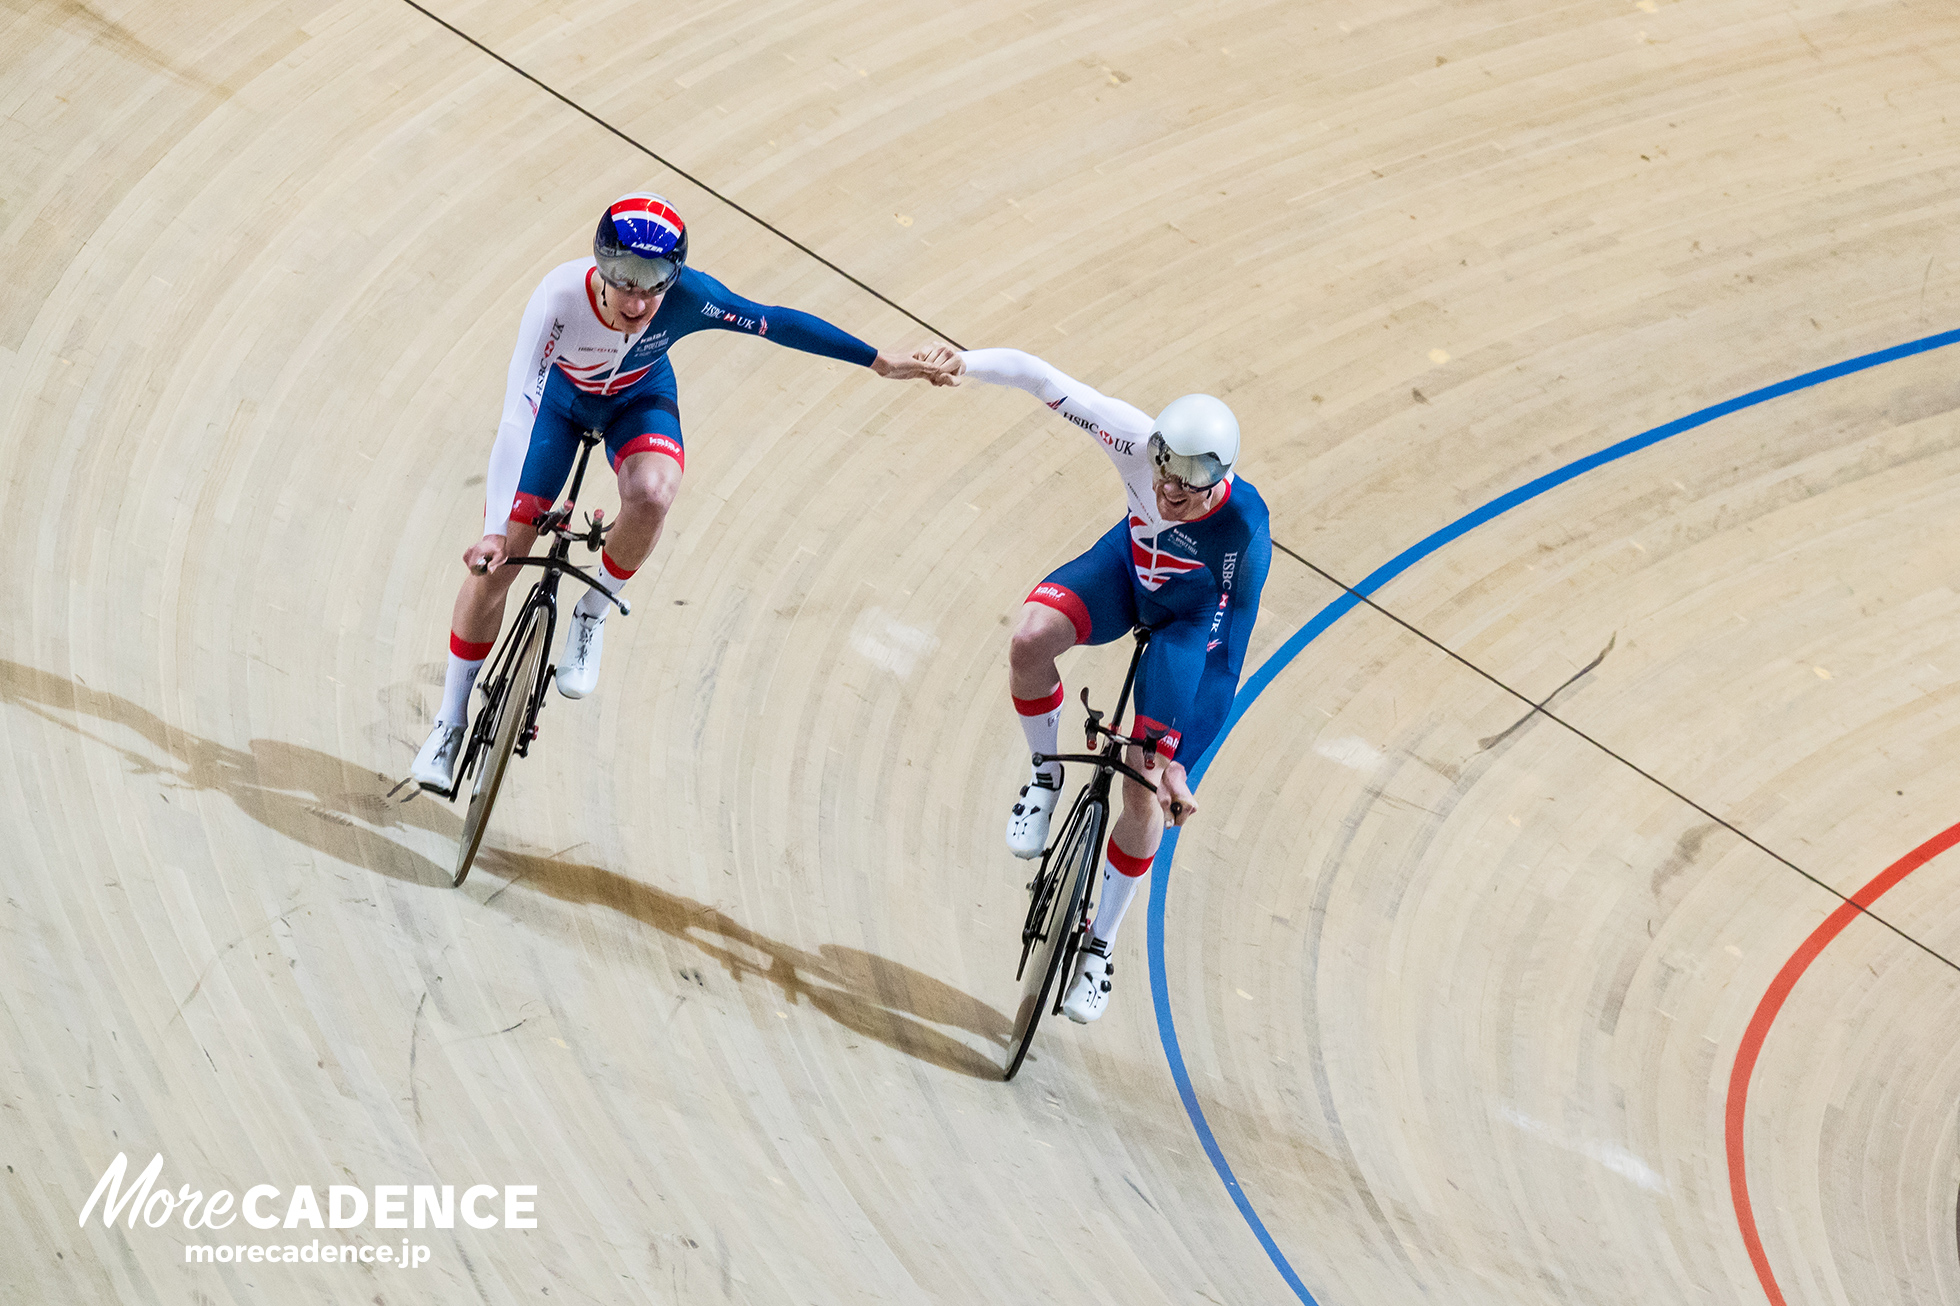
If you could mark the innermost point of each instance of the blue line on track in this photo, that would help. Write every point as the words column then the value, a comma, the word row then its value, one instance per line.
column 1250, row 691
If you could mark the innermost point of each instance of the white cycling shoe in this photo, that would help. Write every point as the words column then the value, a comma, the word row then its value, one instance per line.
column 1090, row 993
column 435, row 765
column 1027, row 824
column 578, row 667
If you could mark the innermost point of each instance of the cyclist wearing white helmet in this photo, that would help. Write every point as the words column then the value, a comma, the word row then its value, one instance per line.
column 592, row 355
column 1188, row 561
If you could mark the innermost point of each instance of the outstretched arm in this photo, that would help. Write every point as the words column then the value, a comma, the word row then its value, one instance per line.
column 722, row 308
column 1046, row 382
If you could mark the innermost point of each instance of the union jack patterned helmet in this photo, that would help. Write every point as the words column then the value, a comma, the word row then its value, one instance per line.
column 641, row 243
column 1195, row 440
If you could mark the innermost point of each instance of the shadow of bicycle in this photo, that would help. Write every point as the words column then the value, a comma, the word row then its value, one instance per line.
column 340, row 809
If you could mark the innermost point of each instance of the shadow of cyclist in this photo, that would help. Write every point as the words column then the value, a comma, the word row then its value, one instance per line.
column 342, row 810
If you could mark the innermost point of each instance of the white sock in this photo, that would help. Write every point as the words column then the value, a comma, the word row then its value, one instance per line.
column 1041, row 722
column 1122, row 874
column 465, row 660
column 612, row 576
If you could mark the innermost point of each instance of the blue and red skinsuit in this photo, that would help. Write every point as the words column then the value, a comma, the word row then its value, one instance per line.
column 1196, row 584
column 571, row 372
column 1201, row 619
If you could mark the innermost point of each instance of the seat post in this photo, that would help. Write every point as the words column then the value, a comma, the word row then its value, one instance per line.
column 1142, row 634
column 587, row 439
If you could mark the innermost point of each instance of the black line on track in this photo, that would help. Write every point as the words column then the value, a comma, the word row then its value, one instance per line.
column 1540, row 709
column 1537, row 708
column 671, row 166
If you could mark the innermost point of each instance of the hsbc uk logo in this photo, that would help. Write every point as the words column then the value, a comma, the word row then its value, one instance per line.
column 550, row 348
column 729, row 317
column 1122, row 446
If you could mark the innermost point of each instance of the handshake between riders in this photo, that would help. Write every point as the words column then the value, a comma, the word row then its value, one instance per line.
column 1188, row 560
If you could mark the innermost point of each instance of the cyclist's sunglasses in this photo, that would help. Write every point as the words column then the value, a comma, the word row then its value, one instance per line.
column 658, row 273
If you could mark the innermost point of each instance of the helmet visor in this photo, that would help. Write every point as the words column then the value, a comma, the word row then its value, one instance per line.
column 628, row 271
column 1193, row 471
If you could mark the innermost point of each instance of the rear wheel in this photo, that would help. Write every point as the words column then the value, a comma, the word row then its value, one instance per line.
column 510, row 701
column 1060, row 892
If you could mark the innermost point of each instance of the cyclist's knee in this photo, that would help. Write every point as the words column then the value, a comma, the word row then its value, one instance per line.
column 648, row 483
column 1041, row 636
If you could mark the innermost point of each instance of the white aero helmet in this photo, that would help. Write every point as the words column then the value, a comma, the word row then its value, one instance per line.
column 1195, row 440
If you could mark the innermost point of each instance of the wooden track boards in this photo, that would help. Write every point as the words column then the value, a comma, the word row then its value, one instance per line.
column 1461, row 991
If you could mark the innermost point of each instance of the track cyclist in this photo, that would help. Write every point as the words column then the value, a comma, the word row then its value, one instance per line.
column 1188, row 561
column 592, row 355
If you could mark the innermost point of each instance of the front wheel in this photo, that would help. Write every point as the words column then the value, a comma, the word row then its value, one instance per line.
column 510, row 702
column 1061, row 892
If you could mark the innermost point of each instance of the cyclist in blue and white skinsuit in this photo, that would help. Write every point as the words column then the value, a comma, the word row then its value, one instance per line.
column 592, row 355
column 1188, row 560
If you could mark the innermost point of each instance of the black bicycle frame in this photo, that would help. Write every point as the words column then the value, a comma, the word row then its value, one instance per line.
column 1109, row 760
column 543, row 596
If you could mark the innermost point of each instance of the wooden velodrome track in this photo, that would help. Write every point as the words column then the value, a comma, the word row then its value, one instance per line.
column 1477, row 1004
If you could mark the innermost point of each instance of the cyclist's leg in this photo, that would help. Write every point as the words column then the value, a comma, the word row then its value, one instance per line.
column 1084, row 601
column 479, row 610
column 1175, row 658
column 1087, row 600
column 479, row 606
column 644, row 444
column 1173, row 668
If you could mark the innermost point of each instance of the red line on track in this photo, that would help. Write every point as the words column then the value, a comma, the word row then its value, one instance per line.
column 1766, row 1012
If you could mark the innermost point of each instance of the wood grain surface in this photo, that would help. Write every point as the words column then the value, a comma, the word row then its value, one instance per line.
column 1460, row 983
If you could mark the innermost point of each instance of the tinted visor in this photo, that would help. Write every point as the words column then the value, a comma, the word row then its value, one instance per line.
column 1196, row 471
column 629, row 271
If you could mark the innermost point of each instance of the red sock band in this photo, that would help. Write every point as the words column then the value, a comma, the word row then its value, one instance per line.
column 1128, row 865
column 613, row 569
column 462, row 648
column 1040, row 706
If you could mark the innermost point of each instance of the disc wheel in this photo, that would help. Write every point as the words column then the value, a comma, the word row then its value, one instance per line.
column 509, row 703
column 1060, row 890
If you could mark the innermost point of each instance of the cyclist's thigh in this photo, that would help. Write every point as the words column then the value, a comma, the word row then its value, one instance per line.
column 1094, row 590
column 554, row 444
column 1168, row 683
column 650, row 422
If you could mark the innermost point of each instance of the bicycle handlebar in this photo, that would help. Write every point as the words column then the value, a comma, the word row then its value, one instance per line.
column 573, row 572
column 552, row 521
column 1096, row 759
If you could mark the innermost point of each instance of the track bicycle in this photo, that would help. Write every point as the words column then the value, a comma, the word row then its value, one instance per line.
column 1060, row 897
column 514, row 680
